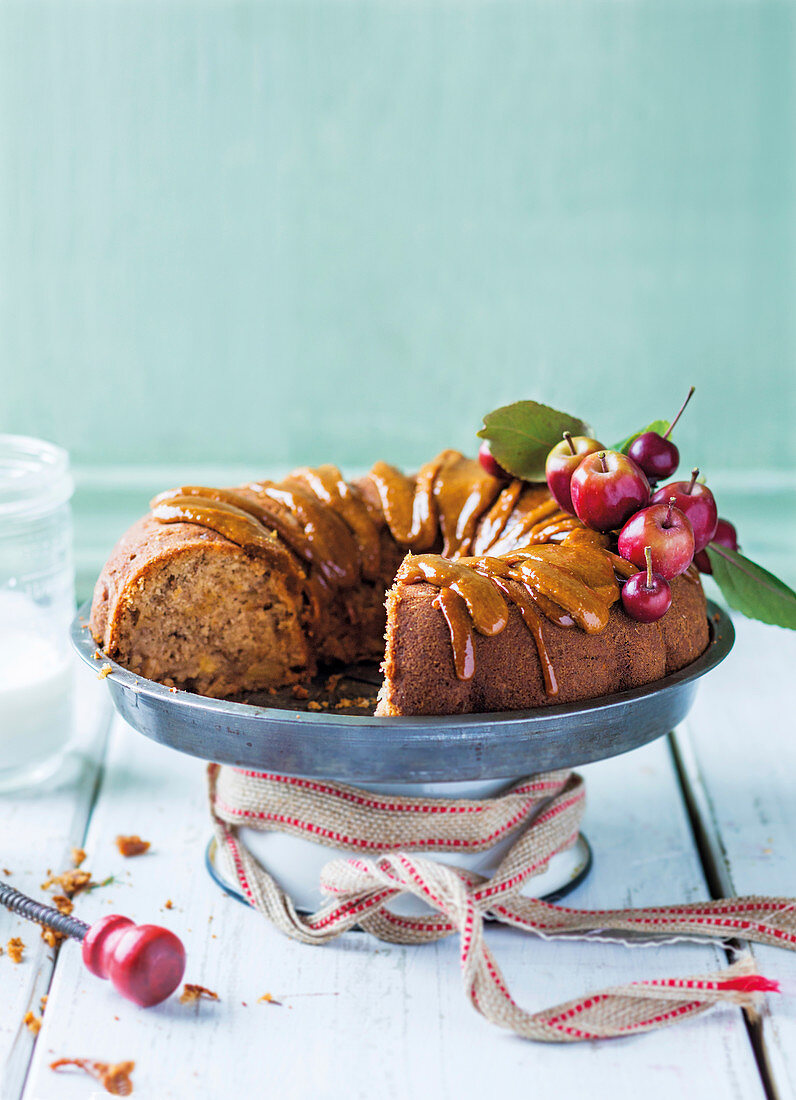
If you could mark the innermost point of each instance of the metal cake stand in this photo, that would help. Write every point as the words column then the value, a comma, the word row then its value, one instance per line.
column 332, row 734
column 354, row 747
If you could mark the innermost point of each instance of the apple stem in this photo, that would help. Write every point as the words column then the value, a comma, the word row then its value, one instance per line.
column 692, row 483
column 568, row 437
column 603, row 462
column 648, row 556
column 668, row 520
column 682, row 410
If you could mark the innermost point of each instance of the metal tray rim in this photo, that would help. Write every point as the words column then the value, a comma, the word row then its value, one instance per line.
column 722, row 636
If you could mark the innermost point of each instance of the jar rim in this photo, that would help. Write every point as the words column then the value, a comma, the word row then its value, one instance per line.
column 34, row 476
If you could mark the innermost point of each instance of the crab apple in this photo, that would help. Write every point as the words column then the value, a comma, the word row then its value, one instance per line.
column 695, row 501
column 657, row 456
column 607, row 488
column 563, row 461
column 646, row 596
column 666, row 531
column 490, row 464
column 725, row 535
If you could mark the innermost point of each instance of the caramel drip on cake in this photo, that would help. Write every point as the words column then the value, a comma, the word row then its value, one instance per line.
column 485, row 605
column 448, row 498
column 463, row 492
column 333, row 546
column 313, row 532
column 457, row 616
column 233, row 522
column 519, row 595
column 499, row 544
column 497, row 517
column 329, row 486
column 566, row 584
column 534, row 510
column 408, row 504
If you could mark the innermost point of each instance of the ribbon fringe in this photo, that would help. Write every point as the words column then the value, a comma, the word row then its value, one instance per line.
column 543, row 814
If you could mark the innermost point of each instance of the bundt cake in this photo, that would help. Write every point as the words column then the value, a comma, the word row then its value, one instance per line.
column 497, row 599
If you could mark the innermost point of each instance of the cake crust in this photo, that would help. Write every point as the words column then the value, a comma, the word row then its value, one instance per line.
column 420, row 678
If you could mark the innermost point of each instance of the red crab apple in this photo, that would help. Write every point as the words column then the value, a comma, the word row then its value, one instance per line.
column 607, row 488
column 668, row 534
column 657, row 456
column 695, row 501
column 490, row 463
column 646, row 596
column 725, row 535
column 563, row 461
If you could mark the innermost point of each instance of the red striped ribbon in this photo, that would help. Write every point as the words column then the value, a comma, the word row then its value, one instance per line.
column 542, row 815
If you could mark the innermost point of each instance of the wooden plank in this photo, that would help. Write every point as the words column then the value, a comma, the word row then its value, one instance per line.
column 739, row 751
column 37, row 831
column 358, row 1014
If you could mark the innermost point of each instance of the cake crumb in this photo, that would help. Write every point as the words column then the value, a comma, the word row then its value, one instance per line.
column 63, row 904
column 132, row 845
column 355, row 701
column 298, row 691
column 78, row 856
column 42, row 1003
column 114, row 1078
column 268, row 999
column 32, row 1023
column 106, row 670
column 97, row 655
column 15, row 948
column 168, row 904
column 332, row 681
column 313, row 705
column 71, row 882
column 50, row 936
column 192, row 993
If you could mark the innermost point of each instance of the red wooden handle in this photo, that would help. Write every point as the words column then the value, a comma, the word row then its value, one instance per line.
column 144, row 963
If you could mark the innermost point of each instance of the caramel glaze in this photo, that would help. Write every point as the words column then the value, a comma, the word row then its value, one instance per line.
column 482, row 543
column 568, row 584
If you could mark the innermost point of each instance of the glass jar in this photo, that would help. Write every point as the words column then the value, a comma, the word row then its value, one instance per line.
column 37, row 602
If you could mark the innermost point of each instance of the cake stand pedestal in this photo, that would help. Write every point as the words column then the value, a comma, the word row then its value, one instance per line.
column 296, row 865
column 333, row 735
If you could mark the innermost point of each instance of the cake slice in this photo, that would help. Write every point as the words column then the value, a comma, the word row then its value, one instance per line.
column 421, row 677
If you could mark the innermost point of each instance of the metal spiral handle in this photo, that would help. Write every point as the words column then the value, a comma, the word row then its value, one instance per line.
column 43, row 914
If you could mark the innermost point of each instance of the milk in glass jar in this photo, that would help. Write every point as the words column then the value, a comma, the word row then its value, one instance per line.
column 37, row 601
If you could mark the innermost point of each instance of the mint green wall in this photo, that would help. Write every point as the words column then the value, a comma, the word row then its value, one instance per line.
column 288, row 232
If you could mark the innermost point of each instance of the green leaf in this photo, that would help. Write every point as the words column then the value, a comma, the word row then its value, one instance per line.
column 659, row 426
column 751, row 589
column 96, row 885
column 521, row 436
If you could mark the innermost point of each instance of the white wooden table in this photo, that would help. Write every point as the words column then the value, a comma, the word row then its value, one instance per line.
column 713, row 808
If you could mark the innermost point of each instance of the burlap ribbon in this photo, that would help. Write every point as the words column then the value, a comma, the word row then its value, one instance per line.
column 543, row 814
